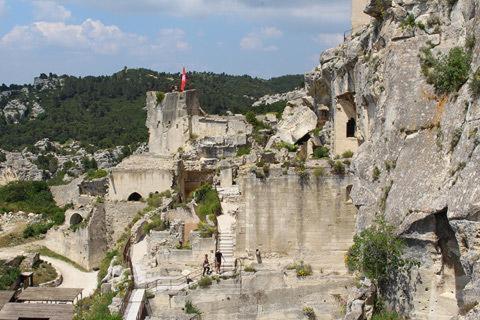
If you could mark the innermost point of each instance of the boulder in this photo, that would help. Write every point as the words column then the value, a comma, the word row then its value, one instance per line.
column 296, row 123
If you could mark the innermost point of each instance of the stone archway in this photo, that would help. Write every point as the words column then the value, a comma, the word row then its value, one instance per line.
column 135, row 196
column 75, row 219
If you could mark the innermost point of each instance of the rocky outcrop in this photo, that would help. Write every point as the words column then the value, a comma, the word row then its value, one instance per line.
column 424, row 145
column 288, row 96
column 15, row 111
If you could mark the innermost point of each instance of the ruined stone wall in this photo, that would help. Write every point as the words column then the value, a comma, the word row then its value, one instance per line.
column 311, row 220
column 168, row 122
column 117, row 217
column 144, row 182
column 359, row 18
column 86, row 246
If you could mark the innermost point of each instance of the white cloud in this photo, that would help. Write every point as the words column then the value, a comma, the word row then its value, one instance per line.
column 256, row 40
column 3, row 7
column 316, row 11
column 45, row 10
column 329, row 39
column 92, row 36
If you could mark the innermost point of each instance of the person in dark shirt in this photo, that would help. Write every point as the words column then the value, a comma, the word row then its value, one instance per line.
column 206, row 266
column 218, row 260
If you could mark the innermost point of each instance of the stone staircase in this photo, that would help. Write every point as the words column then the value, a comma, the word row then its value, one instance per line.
column 226, row 247
column 229, row 199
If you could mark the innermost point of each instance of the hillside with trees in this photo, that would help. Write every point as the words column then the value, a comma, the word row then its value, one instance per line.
column 107, row 111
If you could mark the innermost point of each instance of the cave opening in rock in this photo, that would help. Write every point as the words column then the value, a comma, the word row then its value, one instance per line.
column 135, row 197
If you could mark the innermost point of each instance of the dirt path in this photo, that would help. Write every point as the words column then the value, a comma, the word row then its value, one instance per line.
column 74, row 278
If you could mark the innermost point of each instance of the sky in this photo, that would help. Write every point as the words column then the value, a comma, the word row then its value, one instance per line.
column 263, row 38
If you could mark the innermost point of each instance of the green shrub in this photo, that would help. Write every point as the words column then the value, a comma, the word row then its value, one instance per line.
column 96, row 174
column 338, row 167
column 385, row 315
column 48, row 163
column 408, row 22
column 190, row 308
column 285, row 145
column 303, row 270
column 321, row 152
column 96, row 308
column 475, row 84
column 105, row 263
column 377, row 253
column 155, row 200
column 89, row 163
column 8, row 276
column 319, row 172
column 206, row 230
column 35, row 229
column 447, row 73
column 256, row 124
column 156, row 224
column 376, row 173
column 243, row 150
column 309, row 313
column 347, row 154
column 470, row 42
column 160, row 96
column 3, row 156
column 31, row 196
column 205, row 282
column 207, row 201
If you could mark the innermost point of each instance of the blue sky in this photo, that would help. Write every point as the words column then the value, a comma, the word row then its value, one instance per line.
column 92, row 37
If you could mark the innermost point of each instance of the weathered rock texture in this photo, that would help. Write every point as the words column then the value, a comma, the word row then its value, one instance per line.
column 309, row 219
column 425, row 146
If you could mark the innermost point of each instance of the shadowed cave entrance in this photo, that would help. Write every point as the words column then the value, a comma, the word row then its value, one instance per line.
column 135, row 197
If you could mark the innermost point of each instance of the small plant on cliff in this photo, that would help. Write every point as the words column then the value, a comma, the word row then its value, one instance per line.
column 309, row 313
column 303, row 270
column 446, row 72
column 347, row 154
column 206, row 230
column 377, row 253
column 285, row 145
column 190, row 308
column 376, row 173
column 338, row 167
column 321, row 152
column 156, row 224
column 205, row 282
column 408, row 22
column 3, row 156
column 96, row 174
column 243, row 150
column 160, row 97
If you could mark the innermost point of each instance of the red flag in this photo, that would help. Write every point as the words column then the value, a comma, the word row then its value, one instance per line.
column 184, row 80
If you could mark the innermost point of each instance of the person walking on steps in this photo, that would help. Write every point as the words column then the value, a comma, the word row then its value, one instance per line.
column 218, row 260
column 206, row 266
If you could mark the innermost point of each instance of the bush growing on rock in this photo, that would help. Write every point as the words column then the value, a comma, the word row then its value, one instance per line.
column 446, row 72
column 160, row 97
column 190, row 308
column 309, row 313
column 321, row 152
column 8, row 276
column 338, row 167
column 243, row 150
column 207, row 201
column 96, row 174
column 303, row 269
column 3, row 156
column 347, row 154
column 377, row 253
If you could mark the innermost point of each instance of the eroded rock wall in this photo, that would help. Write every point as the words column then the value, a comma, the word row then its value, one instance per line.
column 425, row 146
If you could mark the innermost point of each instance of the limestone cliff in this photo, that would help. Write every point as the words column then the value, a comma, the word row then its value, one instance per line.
column 418, row 159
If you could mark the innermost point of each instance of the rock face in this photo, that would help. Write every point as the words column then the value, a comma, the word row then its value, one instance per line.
column 288, row 96
column 14, row 111
column 424, row 145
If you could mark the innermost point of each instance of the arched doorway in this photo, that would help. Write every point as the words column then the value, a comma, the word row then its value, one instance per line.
column 135, row 197
column 75, row 219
